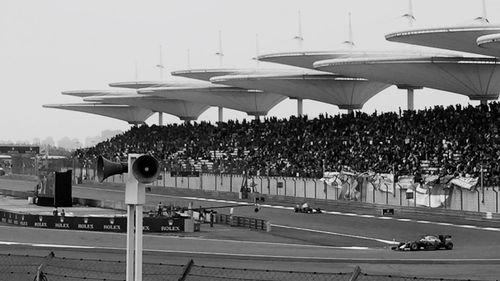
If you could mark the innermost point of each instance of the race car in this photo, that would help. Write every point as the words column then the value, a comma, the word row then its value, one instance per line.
column 304, row 208
column 426, row 242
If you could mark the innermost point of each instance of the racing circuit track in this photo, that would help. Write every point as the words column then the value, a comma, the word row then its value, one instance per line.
column 329, row 242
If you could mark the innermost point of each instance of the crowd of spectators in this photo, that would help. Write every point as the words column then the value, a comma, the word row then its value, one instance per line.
column 458, row 140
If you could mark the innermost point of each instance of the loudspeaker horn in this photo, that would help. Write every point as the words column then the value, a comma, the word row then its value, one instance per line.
column 106, row 168
column 146, row 169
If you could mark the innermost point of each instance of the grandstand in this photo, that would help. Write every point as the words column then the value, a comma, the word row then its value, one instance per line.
column 446, row 141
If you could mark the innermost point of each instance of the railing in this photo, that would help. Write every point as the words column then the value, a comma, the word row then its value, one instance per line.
column 54, row 268
column 480, row 200
column 238, row 221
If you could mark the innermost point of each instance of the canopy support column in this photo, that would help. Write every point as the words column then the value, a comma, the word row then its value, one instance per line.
column 221, row 114
column 410, row 97
column 300, row 107
column 160, row 118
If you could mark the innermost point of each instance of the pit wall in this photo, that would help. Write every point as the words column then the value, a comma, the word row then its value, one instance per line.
column 307, row 188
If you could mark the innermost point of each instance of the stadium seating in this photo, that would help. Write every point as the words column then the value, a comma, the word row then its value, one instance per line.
column 453, row 140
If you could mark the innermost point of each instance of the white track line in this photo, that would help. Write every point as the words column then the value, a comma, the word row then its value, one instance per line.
column 208, row 240
column 325, row 212
column 336, row 234
column 47, row 245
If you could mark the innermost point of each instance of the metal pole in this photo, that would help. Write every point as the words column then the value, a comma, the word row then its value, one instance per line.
column 315, row 189
column 130, row 242
column 478, row 202
column 429, row 198
column 496, row 199
column 138, row 242
column 373, row 195
column 325, row 189
column 461, row 200
column 400, row 197
column 261, row 184
column 305, row 188
column 482, row 185
column 285, row 186
column 294, row 188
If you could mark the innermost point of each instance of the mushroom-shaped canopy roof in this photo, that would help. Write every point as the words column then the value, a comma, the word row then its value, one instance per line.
column 90, row 93
column 130, row 114
column 183, row 109
column 307, row 59
column 136, row 84
column 250, row 101
column 490, row 41
column 457, row 38
column 345, row 92
column 477, row 78
column 206, row 74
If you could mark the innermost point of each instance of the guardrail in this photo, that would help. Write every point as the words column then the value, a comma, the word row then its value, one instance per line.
column 238, row 221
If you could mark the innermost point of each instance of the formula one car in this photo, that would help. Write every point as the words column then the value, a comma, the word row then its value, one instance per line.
column 426, row 242
column 304, row 208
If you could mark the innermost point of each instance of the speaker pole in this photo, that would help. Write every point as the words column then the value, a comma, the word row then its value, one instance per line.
column 135, row 198
column 138, row 242
column 130, row 242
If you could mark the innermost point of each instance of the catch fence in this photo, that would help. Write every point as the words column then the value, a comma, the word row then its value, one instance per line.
column 26, row 267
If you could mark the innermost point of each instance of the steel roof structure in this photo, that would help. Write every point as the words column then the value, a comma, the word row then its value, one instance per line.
column 477, row 78
column 307, row 59
column 90, row 93
column 136, row 84
column 186, row 111
column 474, row 39
column 131, row 114
column 207, row 73
column 255, row 103
column 345, row 92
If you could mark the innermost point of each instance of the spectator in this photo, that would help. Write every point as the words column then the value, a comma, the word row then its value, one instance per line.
column 440, row 140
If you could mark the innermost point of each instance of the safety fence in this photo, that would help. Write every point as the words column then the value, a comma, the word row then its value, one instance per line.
column 251, row 223
column 53, row 268
column 477, row 200
column 484, row 200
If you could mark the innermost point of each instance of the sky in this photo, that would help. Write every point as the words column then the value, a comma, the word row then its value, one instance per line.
column 47, row 47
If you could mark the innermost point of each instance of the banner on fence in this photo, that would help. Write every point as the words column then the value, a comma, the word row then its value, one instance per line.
column 347, row 182
column 383, row 182
column 465, row 182
column 114, row 224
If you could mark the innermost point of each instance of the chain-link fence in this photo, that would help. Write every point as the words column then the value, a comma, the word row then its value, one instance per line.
column 53, row 268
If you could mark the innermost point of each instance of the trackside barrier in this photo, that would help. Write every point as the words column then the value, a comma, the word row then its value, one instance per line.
column 238, row 221
column 89, row 223
column 341, row 205
column 25, row 267
column 368, row 206
column 479, row 200
column 313, row 189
